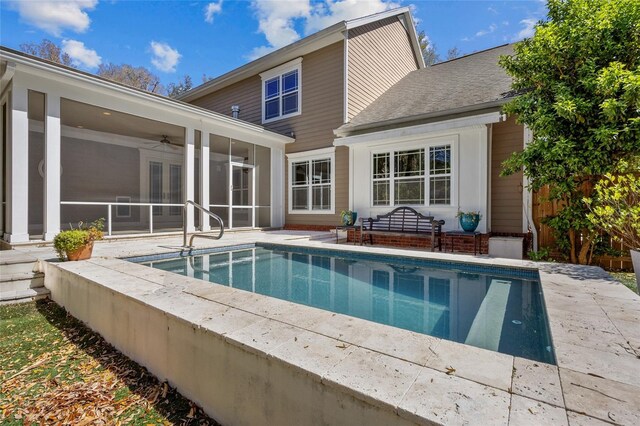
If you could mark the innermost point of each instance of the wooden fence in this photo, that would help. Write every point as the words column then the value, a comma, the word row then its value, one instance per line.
column 543, row 208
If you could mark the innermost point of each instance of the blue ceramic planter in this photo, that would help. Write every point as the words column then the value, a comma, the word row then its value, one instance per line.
column 469, row 222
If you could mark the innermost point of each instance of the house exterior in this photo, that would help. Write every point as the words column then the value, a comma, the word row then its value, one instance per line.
column 436, row 141
column 310, row 88
column 347, row 118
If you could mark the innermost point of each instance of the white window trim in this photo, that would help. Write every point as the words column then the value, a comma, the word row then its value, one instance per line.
column 318, row 154
column 123, row 199
column 391, row 149
column 296, row 64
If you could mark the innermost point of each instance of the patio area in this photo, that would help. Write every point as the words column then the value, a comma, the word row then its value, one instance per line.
column 335, row 368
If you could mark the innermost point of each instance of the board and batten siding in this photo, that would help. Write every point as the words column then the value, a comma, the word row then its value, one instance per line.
column 506, row 191
column 322, row 112
column 379, row 55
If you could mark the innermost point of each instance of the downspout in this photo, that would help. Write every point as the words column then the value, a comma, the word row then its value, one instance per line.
column 528, row 204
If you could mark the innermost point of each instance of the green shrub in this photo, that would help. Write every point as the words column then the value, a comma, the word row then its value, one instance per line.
column 542, row 255
column 73, row 239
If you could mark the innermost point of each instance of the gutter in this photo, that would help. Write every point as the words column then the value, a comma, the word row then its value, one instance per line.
column 397, row 122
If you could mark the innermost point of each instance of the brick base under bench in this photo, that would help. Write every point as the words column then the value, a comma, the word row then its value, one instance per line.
column 460, row 245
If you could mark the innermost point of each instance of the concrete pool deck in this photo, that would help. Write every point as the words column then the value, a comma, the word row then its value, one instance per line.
column 313, row 365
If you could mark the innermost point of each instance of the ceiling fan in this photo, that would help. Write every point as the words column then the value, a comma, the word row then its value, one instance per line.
column 165, row 142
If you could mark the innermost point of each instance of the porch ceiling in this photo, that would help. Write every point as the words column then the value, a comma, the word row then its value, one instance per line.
column 91, row 117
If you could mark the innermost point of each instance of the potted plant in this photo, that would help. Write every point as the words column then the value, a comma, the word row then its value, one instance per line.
column 615, row 209
column 469, row 220
column 77, row 244
column 348, row 217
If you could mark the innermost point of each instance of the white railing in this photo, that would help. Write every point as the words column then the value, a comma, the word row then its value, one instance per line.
column 109, row 208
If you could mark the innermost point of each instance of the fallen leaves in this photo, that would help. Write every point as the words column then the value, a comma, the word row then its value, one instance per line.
column 69, row 375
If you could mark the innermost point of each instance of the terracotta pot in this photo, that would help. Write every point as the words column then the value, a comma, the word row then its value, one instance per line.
column 81, row 253
column 635, row 259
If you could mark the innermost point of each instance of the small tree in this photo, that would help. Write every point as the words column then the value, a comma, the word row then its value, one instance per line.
column 428, row 49
column 453, row 53
column 578, row 80
column 616, row 208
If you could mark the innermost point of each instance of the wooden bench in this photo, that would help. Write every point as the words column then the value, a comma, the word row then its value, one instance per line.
column 403, row 221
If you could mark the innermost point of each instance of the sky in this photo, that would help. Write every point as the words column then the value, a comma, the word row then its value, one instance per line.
column 174, row 38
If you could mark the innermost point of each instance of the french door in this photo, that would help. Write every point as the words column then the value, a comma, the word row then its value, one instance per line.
column 165, row 186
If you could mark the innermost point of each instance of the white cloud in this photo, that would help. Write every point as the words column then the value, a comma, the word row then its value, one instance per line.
column 277, row 19
column 492, row 10
column 330, row 12
column 489, row 30
column 56, row 16
column 528, row 29
column 211, row 10
column 165, row 58
column 81, row 55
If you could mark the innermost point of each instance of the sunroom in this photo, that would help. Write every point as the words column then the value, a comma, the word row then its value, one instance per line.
column 77, row 147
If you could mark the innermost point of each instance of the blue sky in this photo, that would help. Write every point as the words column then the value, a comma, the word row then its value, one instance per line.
column 176, row 38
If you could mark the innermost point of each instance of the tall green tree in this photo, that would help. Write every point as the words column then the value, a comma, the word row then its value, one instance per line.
column 579, row 83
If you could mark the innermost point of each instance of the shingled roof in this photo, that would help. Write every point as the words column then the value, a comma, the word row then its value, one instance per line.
column 465, row 84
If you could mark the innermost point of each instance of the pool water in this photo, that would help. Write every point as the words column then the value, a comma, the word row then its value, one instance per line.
column 496, row 309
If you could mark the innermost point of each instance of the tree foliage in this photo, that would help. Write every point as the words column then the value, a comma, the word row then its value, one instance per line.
column 616, row 207
column 176, row 89
column 48, row 50
column 138, row 77
column 578, row 80
column 453, row 53
column 428, row 49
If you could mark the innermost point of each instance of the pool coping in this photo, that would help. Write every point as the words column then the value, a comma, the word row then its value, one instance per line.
column 590, row 318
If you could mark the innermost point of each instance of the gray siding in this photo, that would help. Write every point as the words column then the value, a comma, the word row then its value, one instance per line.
column 506, row 192
column 380, row 54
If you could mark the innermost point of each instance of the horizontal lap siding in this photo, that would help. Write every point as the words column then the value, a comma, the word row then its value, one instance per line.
column 380, row 54
column 322, row 112
column 506, row 195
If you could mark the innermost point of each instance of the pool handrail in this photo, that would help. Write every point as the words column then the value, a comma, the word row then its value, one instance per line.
column 198, row 234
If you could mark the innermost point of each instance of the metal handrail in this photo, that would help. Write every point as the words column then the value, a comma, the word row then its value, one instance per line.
column 200, row 234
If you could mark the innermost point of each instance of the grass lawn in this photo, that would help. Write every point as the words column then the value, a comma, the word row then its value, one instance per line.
column 53, row 369
column 626, row 278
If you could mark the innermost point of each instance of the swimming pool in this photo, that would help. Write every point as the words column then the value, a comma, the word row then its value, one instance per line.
column 499, row 309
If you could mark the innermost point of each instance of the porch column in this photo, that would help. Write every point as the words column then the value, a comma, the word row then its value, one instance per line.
column 52, row 159
column 189, row 163
column 17, row 165
column 204, row 179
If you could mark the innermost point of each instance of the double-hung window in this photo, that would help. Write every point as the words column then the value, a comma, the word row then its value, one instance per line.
column 281, row 91
column 311, row 187
column 417, row 176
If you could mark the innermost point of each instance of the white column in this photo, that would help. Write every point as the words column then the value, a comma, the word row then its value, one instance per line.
column 189, row 163
column 204, row 179
column 17, row 164
column 52, row 160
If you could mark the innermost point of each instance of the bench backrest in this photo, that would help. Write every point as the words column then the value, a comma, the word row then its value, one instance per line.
column 402, row 219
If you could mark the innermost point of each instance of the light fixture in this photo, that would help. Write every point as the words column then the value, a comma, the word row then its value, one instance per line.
column 106, row 113
column 165, row 140
column 80, row 127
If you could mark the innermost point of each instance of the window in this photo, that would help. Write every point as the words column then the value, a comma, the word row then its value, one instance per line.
column 281, row 91
column 406, row 178
column 311, row 186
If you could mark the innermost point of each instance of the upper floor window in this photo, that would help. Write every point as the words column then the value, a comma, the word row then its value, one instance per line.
column 281, row 91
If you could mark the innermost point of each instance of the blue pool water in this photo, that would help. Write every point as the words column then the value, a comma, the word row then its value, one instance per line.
column 499, row 309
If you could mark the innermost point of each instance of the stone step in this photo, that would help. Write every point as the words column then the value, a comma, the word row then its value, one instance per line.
column 10, row 257
column 24, row 295
column 37, row 280
column 17, row 268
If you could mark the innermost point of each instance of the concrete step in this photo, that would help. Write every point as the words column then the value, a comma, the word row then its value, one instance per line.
column 10, row 257
column 24, row 295
column 17, row 268
column 15, row 283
